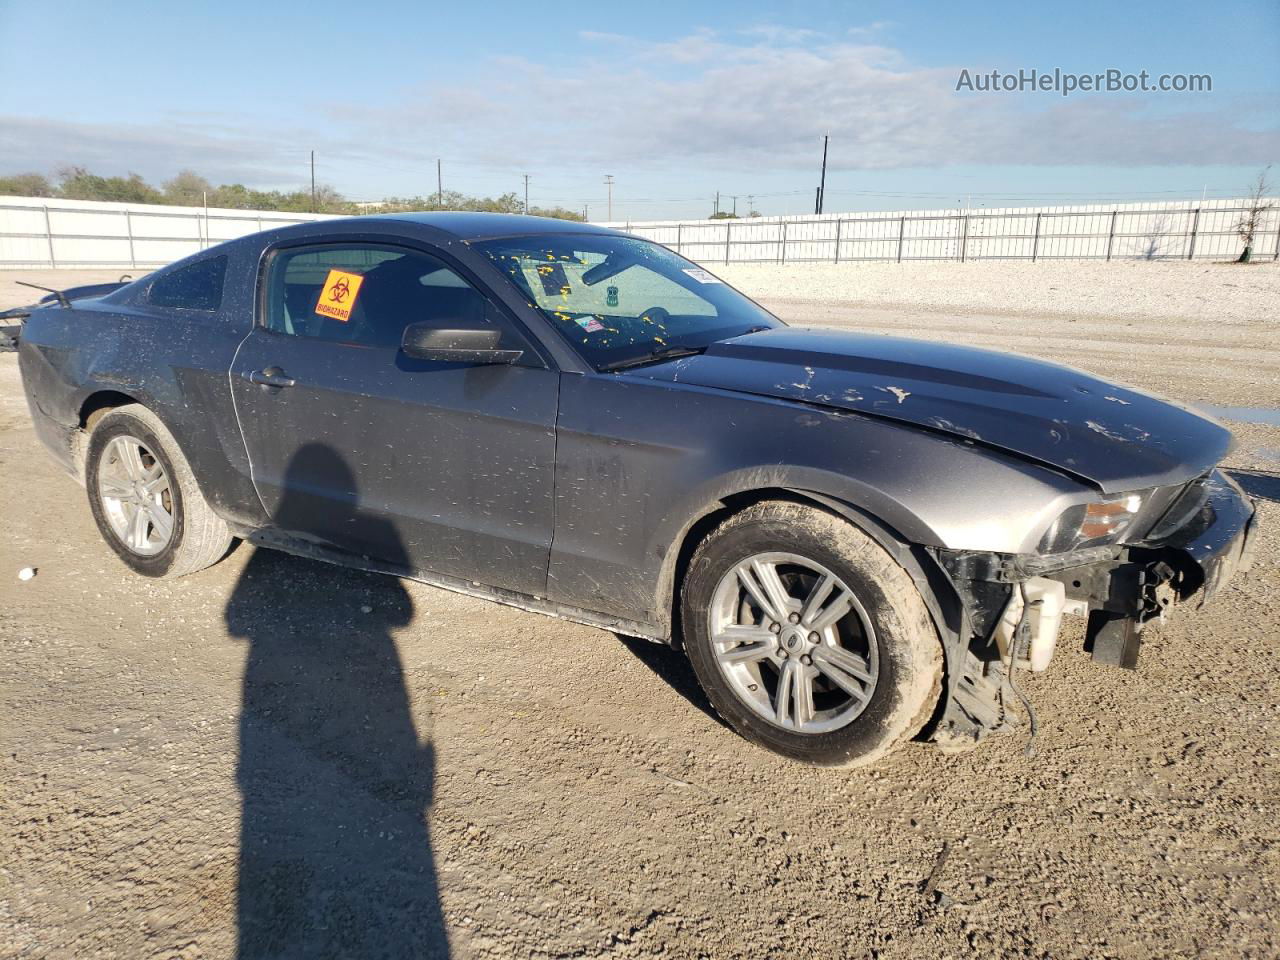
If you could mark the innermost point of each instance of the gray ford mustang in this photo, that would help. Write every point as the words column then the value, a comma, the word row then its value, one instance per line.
column 856, row 539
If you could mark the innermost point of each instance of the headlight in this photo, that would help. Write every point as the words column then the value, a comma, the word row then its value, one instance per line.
column 1091, row 524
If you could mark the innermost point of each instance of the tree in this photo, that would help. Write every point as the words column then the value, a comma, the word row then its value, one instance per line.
column 190, row 189
column 1255, row 212
column 187, row 189
column 724, row 215
column 26, row 185
column 77, row 183
column 559, row 213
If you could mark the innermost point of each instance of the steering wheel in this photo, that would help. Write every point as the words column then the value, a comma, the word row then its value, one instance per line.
column 656, row 315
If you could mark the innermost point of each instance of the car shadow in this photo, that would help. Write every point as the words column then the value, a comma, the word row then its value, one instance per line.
column 673, row 668
column 1258, row 484
column 335, row 856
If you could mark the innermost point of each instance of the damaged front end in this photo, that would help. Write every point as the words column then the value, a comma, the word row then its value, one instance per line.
column 1013, row 604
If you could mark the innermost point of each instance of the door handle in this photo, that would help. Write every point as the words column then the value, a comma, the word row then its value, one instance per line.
column 270, row 377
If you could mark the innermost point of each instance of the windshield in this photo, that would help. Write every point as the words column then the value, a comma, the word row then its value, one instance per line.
column 621, row 301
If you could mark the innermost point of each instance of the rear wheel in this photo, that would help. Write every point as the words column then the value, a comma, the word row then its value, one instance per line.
column 808, row 637
column 145, row 499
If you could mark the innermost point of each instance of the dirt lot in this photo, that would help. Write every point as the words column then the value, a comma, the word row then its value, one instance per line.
column 190, row 768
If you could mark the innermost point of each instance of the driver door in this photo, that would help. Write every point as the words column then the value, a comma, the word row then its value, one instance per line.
column 435, row 466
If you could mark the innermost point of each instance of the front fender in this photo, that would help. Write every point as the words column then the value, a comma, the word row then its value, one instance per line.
column 640, row 461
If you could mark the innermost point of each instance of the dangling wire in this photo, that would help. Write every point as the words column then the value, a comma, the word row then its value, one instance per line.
column 1022, row 644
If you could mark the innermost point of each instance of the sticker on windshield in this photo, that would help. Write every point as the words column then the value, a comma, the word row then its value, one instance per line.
column 702, row 276
column 338, row 295
column 590, row 324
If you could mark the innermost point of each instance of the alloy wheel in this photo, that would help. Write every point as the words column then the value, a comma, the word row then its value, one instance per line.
column 136, row 496
column 794, row 642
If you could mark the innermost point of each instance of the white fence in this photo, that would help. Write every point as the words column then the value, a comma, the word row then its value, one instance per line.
column 38, row 232
column 1184, row 230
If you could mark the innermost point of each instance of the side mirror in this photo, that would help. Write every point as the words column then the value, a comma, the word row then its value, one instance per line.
column 426, row 341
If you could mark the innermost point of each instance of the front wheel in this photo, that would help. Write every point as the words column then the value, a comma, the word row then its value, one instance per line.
column 808, row 638
column 145, row 499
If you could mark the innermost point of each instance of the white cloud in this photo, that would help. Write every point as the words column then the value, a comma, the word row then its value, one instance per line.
column 758, row 99
column 762, row 102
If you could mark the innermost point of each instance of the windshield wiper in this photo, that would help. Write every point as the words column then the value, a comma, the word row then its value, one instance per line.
column 667, row 353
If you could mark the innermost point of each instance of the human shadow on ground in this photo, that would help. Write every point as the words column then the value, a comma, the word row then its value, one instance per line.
column 335, row 857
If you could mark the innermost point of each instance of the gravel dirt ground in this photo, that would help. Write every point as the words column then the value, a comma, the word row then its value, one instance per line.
column 200, row 768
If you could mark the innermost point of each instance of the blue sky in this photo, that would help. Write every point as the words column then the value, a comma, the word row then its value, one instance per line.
column 675, row 100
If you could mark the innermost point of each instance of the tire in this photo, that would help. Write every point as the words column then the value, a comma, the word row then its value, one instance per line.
column 868, row 682
column 134, row 523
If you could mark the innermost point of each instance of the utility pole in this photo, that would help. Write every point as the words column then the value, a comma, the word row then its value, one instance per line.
column 526, row 194
column 313, row 182
column 585, row 216
column 608, row 182
column 822, row 184
column 735, row 206
column 717, row 209
column 439, row 186
column 751, row 205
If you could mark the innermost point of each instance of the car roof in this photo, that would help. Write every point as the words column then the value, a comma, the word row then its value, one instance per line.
column 474, row 226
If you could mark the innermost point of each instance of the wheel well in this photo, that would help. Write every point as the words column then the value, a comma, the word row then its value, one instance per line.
column 932, row 582
column 703, row 525
column 98, row 405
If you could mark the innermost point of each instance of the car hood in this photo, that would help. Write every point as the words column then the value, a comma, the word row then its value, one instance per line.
column 1115, row 437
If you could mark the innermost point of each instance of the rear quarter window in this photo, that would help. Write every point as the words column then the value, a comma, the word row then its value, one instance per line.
column 197, row 286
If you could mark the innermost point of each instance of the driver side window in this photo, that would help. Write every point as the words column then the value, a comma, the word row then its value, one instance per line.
column 368, row 293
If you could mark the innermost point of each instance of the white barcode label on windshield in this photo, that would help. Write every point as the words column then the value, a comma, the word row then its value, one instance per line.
column 702, row 276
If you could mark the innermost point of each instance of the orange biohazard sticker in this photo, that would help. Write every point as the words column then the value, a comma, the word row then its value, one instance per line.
column 338, row 295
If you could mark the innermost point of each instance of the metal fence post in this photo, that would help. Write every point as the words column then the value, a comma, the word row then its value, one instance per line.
column 1035, row 241
column 48, row 232
column 1276, row 253
column 727, row 225
column 782, row 247
column 838, row 222
column 1111, row 233
column 964, row 237
column 128, row 229
column 679, row 244
column 1195, row 224
column 902, row 230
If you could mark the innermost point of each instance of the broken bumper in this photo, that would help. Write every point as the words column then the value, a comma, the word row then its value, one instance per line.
column 1194, row 561
column 1199, row 544
column 1202, row 540
column 1219, row 538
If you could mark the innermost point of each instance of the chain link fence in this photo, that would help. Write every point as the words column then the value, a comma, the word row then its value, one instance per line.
column 1188, row 230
